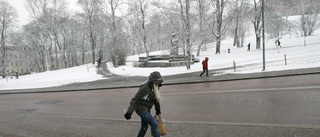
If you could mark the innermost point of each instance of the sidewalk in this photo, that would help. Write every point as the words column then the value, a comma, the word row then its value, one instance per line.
column 115, row 81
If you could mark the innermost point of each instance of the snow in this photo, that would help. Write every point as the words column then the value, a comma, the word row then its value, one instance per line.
column 83, row 73
column 297, row 56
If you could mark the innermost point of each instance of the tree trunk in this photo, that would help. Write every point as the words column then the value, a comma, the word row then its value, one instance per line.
column 219, row 18
column 3, row 55
column 188, row 35
column 236, row 32
column 199, row 47
column 144, row 36
column 201, row 17
column 93, row 48
column 258, row 42
column 257, row 23
column 218, row 45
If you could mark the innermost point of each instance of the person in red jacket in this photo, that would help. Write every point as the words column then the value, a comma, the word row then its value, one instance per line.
column 205, row 67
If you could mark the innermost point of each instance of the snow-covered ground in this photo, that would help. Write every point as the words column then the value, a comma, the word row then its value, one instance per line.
column 84, row 73
column 297, row 56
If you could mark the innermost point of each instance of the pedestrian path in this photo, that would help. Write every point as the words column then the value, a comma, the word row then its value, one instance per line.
column 102, row 69
column 114, row 81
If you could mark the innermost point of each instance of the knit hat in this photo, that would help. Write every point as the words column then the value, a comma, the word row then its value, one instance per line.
column 155, row 78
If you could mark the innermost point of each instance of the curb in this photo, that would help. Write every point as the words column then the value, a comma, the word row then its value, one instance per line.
column 189, row 78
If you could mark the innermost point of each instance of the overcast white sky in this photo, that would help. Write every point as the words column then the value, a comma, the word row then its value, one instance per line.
column 23, row 14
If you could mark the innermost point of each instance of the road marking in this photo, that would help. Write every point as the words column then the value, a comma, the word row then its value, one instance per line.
column 245, row 90
column 245, row 124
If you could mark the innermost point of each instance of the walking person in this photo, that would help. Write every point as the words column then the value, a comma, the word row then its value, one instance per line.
column 277, row 43
column 147, row 96
column 99, row 61
column 205, row 67
column 248, row 47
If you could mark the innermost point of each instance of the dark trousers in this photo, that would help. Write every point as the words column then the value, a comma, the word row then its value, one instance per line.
column 205, row 70
column 147, row 119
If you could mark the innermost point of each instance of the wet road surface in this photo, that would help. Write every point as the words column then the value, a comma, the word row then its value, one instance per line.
column 283, row 102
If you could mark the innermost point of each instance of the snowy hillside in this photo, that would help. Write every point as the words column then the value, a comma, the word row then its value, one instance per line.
column 297, row 56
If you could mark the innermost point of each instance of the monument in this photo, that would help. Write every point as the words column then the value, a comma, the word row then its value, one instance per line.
column 174, row 45
column 172, row 60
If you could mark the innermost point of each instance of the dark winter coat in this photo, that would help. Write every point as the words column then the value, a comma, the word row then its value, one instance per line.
column 145, row 98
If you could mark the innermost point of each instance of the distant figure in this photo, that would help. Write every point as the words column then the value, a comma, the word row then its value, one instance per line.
column 17, row 74
column 205, row 67
column 277, row 42
column 99, row 61
column 248, row 47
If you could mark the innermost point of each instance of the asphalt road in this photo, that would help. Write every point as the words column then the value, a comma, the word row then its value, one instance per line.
column 277, row 106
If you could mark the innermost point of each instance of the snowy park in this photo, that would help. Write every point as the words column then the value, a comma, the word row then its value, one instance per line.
column 293, row 54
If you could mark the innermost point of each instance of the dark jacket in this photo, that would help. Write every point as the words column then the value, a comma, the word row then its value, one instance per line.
column 145, row 98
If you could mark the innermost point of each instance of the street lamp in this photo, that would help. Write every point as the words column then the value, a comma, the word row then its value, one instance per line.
column 86, row 60
column 263, row 38
column 305, row 42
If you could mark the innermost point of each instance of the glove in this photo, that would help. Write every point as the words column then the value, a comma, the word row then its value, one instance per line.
column 158, row 112
column 127, row 116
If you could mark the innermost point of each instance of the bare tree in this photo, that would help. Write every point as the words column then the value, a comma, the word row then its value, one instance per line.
column 33, row 39
column 139, row 8
column 81, row 37
column 154, row 32
column 134, row 35
column 184, row 21
column 202, row 13
column 171, row 21
column 117, row 52
column 277, row 26
column 69, row 38
column 257, row 22
column 52, row 16
column 309, row 16
column 59, row 19
column 218, row 26
column 92, row 9
column 238, row 26
column 7, row 19
column 186, row 30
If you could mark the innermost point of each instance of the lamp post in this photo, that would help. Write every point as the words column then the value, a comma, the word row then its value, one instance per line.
column 305, row 41
column 263, row 38
column 87, row 60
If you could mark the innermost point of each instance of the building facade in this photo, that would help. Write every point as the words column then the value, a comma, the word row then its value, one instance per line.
column 19, row 60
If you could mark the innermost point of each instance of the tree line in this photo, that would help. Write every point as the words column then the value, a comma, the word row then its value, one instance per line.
column 113, row 29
